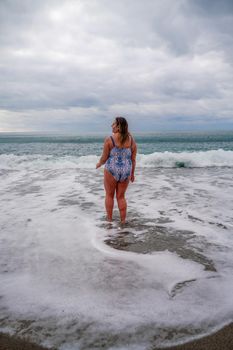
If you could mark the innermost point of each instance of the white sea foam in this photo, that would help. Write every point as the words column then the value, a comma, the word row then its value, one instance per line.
column 214, row 158
column 55, row 263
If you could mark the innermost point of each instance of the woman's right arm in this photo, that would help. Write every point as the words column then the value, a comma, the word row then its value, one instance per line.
column 133, row 157
column 105, row 153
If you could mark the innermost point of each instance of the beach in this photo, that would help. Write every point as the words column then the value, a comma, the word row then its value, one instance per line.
column 222, row 339
column 71, row 280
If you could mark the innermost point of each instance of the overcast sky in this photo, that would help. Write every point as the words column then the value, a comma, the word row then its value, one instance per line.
column 72, row 66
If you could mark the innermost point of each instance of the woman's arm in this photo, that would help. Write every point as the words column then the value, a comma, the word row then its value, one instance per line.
column 133, row 157
column 105, row 153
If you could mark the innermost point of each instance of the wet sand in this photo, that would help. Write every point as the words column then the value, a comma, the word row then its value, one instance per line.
column 221, row 340
column 8, row 342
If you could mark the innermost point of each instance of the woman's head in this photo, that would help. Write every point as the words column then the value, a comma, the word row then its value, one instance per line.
column 120, row 125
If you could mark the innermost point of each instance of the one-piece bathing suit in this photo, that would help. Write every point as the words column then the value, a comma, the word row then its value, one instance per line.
column 119, row 163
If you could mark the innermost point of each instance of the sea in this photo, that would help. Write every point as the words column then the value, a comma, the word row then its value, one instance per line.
column 72, row 280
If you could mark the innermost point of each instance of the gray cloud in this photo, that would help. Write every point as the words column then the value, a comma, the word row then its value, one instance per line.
column 66, row 64
column 209, row 8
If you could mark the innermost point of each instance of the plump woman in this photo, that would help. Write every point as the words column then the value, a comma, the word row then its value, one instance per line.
column 119, row 157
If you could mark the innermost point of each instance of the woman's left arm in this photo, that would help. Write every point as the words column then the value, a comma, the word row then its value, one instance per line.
column 105, row 154
column 133, row 158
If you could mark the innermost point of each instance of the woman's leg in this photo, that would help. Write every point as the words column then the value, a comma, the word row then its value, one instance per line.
column 110, row 187
column 120, row 194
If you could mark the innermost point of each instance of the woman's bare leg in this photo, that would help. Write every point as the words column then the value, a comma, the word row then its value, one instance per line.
column 110, row 187
column 120, row 194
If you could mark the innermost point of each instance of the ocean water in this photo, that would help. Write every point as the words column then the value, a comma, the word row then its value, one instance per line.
column 70, row 279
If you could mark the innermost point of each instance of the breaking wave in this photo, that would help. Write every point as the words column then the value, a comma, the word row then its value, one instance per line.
column 213, row 158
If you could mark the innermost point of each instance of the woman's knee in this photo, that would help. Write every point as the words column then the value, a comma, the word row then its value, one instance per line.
column 110, row 194
column 121, row 201
column 120, row 196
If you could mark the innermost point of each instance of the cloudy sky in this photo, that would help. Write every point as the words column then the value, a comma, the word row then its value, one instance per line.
column 71, row 66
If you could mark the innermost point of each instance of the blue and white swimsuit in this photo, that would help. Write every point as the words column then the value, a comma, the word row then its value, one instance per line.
column 119, row 163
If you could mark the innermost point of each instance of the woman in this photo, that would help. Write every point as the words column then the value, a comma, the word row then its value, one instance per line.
column 119, row 157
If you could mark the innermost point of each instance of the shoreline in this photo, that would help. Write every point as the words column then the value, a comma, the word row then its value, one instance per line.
column 220, row 340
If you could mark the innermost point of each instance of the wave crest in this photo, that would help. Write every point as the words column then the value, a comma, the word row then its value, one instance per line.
column 214, row 158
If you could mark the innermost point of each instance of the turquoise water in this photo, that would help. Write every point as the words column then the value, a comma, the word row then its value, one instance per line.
column 81, row 145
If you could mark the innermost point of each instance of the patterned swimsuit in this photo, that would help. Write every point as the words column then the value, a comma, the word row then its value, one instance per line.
column 119, row 163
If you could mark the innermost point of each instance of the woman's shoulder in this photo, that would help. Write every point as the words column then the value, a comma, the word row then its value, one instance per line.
column 108, row 141
column 131, row 138
column 133, row 143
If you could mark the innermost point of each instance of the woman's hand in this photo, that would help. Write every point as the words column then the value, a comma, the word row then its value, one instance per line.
column 98, row 165
column 132, row 178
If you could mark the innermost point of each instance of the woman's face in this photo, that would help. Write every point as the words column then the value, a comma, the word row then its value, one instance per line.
column 115, row 128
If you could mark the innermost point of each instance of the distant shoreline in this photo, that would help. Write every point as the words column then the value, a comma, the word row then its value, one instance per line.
column 221, row 340
column 104, row 133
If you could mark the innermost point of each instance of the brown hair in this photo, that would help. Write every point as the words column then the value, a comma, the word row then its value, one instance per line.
column 123, row 129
